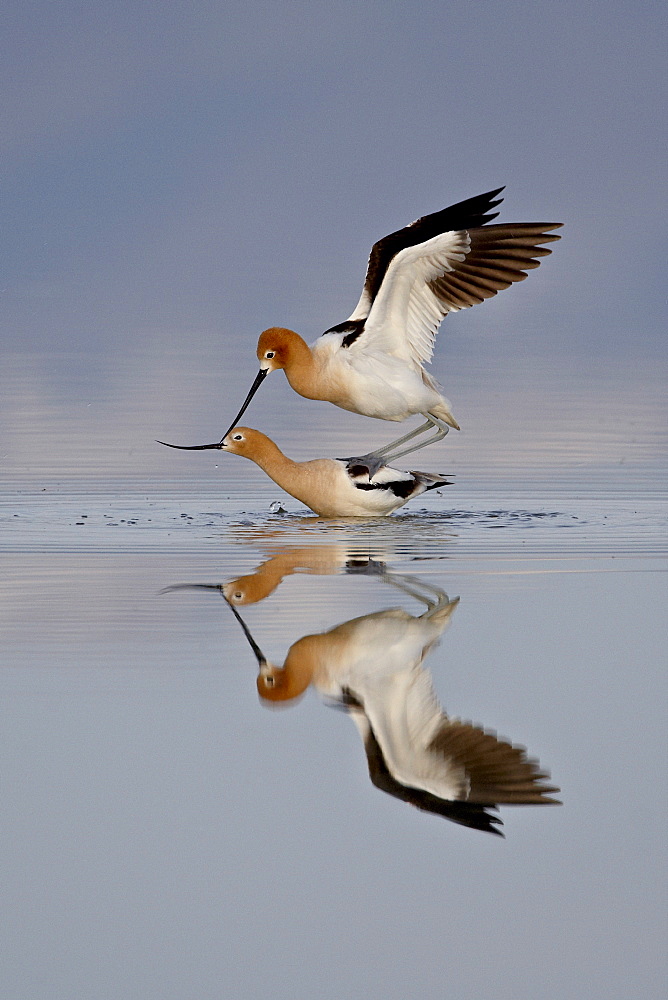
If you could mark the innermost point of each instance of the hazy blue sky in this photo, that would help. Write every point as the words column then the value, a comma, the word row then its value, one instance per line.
column 192, row 173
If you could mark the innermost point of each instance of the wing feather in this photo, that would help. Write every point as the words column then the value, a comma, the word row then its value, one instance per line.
column 497, row 772
column 468, row 214
column 451, row 271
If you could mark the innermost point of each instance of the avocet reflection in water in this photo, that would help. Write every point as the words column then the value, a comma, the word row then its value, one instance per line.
column 372, row 667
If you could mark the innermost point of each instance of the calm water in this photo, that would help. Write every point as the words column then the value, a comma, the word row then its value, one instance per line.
column 166, row 835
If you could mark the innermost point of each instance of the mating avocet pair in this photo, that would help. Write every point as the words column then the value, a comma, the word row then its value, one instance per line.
column 373, row 362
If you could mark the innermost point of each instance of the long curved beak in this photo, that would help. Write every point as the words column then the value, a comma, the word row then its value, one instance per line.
column 192, row 447
column 259, row 379
column 259, row 655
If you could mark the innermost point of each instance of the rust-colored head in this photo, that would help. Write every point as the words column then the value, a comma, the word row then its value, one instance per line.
column 277, row 347
column 291, row 680
column 246, row 589
column 248, row 443
column 274, row 684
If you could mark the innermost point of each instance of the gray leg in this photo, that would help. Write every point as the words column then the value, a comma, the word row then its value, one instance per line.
column 407, row 437
column 432, row 597
column 440, row 430
column 375, row 460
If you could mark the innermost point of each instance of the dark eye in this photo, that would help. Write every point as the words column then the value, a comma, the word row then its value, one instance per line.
column 269, row 681
column 270, row 354
column 238, row 594
column 237, row 437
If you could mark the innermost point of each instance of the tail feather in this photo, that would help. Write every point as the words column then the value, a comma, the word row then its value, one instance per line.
column 431, row 480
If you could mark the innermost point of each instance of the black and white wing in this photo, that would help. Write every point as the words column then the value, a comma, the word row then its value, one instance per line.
column 478, row 771
column 399, row 483
column 452, row 271
column 441, row 263
column 469, row 214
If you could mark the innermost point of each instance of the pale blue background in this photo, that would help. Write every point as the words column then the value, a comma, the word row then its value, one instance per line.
column 193, row 173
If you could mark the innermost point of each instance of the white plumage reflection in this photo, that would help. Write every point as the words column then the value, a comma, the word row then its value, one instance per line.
column 373, row 667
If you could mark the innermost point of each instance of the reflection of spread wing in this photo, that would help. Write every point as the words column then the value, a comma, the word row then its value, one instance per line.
column 441, row 765
column 503, row 776
column 468, row 814
column 493, row 770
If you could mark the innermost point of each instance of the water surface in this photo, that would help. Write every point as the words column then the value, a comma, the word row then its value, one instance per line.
column 168, row 835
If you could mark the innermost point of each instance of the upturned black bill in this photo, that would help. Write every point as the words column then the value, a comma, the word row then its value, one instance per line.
column 259, row 655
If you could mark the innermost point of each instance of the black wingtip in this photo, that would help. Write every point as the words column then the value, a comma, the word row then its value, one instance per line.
column 493, row 194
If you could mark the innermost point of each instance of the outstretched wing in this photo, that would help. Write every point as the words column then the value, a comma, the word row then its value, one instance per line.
column 490, row 772
column 469, row 214
column 494, row 771
column 448, row 272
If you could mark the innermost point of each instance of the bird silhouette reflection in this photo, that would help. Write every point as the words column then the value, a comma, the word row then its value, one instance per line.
column 373, row 667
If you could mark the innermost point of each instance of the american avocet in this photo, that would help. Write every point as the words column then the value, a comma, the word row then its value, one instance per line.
column 373, row 362
column 318, row 560
column 332, row 487
column 373, row 667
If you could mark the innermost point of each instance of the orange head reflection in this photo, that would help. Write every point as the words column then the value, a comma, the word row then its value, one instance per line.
column 320, row 560
column 292, row 679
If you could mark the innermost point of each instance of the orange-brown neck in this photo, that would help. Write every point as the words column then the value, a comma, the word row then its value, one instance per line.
column 265, row 453
column 300, row 366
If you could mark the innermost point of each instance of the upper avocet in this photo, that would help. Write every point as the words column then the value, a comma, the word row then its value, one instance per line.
column 372, row 363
